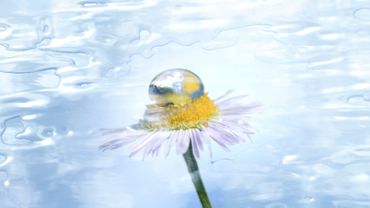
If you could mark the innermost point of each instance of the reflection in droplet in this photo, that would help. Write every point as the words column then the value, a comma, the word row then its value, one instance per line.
column 175, row 86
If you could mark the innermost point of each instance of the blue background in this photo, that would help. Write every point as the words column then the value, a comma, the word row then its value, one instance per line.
column 69, row 68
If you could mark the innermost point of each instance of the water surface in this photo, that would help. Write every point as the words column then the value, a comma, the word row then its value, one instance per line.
column 69, row 68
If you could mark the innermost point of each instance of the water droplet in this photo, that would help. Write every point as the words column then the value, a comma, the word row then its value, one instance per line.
column 289, row 159
column 144, row 35
column 362, row 14
column 84, row 84
column 5, row 159
column 13, row 128
column 45, row 29
column 91, row 4
column 48, row 132
column 178, row 84
column 6, row 183
column 4, row 178
column 30, row 117
column 308, row 199
column 2, row 158
column 3, row 27
column 276, row 205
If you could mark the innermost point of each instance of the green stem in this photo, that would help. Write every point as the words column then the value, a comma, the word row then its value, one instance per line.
column 193, row 170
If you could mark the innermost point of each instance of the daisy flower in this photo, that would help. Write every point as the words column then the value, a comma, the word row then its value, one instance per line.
column 184, row 118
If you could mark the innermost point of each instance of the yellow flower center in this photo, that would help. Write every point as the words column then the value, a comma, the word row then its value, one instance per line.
column 177, row 115
column 192, row 115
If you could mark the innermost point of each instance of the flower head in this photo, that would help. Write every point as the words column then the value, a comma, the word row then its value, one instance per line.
column 184, row 114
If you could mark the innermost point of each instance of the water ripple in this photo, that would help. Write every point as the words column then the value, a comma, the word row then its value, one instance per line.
column 362, row 14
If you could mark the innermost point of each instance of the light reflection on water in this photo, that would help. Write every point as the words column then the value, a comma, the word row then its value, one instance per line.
column 70, row 68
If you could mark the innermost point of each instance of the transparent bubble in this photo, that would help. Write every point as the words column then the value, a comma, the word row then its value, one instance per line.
column 175, row 86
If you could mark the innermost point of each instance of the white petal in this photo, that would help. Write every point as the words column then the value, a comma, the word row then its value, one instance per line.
column 208, row 141
column 239, row 124
column 222, row 97
column 195, row 147
column 142, row 143
column 222, row 135
column 160, row 142
column 113, row 131
column 226, row 131
column 198, row 138
column 214, row 135
column 121, row 137
column 170, row 141
column 183, row 140
column 155, row 143
column 231, row 100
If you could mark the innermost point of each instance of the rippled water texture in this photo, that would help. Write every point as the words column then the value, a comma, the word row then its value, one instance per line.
column 68, row 69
